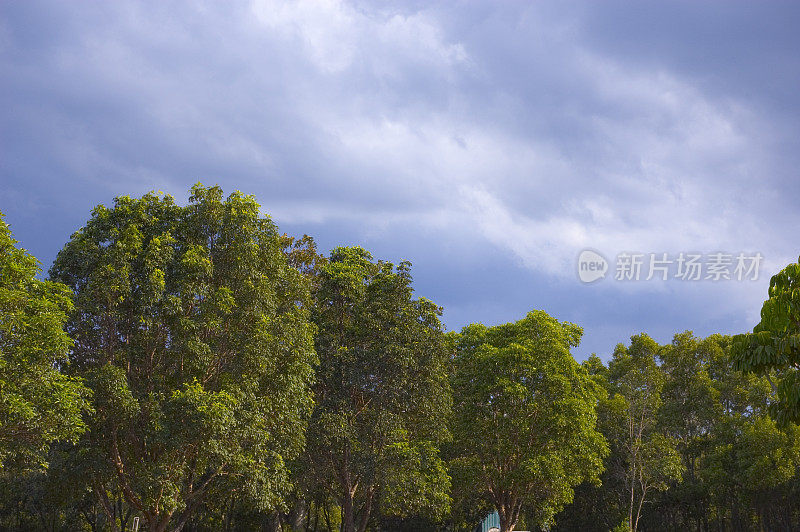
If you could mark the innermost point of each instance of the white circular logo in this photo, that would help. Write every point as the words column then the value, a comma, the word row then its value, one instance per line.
column 591, row 266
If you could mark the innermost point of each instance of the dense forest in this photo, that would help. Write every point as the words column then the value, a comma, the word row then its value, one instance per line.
column 191, row 368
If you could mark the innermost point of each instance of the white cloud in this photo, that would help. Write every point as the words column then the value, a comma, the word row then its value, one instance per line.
column 384, row 115
column 517, row 134
column 335, row 35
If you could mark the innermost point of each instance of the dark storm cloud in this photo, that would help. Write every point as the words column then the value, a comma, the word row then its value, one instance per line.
column 488, row 143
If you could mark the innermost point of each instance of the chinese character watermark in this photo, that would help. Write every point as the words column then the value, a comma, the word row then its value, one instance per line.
column 684, row 266
column 629, row 266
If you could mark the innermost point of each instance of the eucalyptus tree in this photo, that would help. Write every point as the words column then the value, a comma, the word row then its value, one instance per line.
column 716, row 460
column 382, row 395
column 643, row 456
column 751, row 468
column 524, row 423
column 38, row 403
column 194, row 333
column 690, row 410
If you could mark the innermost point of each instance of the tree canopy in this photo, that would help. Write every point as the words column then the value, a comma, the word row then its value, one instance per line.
column 692, row 446
column 39, row 403
column 524, row 423
column 381, row 391
column 194, row 334
column 773, row 348
column 192, row 367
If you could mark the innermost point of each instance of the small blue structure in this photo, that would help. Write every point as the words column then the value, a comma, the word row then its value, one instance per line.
column 490, row 524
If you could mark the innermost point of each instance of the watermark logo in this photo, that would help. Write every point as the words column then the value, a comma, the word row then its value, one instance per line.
column 634, row 266
column 592, row 266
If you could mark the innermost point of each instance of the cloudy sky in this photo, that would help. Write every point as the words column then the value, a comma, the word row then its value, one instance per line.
column 488, row 143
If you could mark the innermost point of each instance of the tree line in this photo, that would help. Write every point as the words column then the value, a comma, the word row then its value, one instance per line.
column 191, row 368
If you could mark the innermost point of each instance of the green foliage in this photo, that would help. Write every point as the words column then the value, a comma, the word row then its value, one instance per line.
column 774, row 345
column 716, row 461
column 166, row 371
column 644, row 458
column 415, row 481
column 193, row 331
column 381, row 391
column 524, row 417
column 38, row 403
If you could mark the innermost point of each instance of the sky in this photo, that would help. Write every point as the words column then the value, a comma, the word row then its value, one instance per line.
column 489, row 143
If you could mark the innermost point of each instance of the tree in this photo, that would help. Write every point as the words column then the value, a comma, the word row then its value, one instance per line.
column 688, row 414
column 750, row 468
column 38, row 403
column 193, row 332
column 381, row 392
column 645, row 458
column 598, row 507
column 740, row 468
column 524, row 417
column 773, row 348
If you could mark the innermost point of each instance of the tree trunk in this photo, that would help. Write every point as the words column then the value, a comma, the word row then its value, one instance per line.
column 365, row 511
column 105, row 504
column 312, row 506
column 273, row 522
column 299, row 515
column 160, row 523
column 508, row 514
column 348, row 517
column 327, row 518
column 348, row 492
column 639, row 511
column 630, row 506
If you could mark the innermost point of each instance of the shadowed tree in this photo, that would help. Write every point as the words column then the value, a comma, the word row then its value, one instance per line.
column 690, row 408
column 382, row 395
